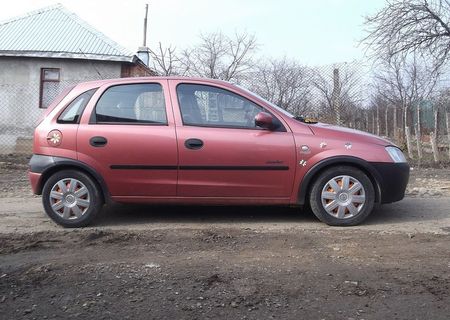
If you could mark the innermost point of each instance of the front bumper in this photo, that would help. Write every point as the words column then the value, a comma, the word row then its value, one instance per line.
column 392, row 179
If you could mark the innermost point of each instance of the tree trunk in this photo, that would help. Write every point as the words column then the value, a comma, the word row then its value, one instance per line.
column 434, row 147
column 408, row 142
column 447, row 122
column 395, row 128
column 406, row 125
column 386, row 124
column 419, row 135
column 367, row 120
column 373, row 121
column 378, row 120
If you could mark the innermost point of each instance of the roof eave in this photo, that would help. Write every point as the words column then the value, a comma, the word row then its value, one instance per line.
column 67, row 55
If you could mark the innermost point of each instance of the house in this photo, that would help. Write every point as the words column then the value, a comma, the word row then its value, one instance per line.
column 43, row 53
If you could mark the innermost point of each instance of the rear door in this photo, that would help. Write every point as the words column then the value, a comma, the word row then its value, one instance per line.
column 128, row 135
column 221, row 152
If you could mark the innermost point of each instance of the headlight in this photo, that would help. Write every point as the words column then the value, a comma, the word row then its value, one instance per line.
column 396, row 154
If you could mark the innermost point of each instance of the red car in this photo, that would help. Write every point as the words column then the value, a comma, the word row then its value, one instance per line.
column 184, row 141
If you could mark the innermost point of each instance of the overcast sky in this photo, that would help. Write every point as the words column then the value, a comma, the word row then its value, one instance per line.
column 314, row 32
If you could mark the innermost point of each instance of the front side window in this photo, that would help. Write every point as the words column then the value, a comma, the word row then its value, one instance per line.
column 203, row 105
column 132, row 104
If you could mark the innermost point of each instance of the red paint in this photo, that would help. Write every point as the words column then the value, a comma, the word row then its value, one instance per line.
column 163, row 146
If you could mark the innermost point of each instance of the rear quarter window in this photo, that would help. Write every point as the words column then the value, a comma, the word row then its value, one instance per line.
column 72, row 113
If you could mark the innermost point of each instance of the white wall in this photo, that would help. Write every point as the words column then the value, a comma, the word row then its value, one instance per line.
column 19, row 90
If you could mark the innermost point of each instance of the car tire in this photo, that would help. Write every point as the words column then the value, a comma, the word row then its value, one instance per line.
column 71, row 198
column 342, row 196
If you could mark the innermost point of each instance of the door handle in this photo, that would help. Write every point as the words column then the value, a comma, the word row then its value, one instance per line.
column 98, row 141
column 193, row 144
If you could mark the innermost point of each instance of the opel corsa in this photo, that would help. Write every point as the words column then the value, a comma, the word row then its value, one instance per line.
column 185, row 141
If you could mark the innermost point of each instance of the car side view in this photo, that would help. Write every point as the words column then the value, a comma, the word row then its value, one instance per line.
column 177, row 140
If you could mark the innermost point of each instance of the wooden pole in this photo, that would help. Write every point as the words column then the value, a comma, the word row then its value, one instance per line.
column 434, row 147
column 386, row 124
column 418, row 135
column 336, row 96
column 367, row 120
column 395, row 128
column 145, row 26
column 378, row 120
column 447, row 122
column 408, row 142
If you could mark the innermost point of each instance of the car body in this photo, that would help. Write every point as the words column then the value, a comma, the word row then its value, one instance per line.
column 183, row 141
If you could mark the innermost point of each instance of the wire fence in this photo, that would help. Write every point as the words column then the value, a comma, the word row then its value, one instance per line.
column 341, row 94
column 20, row 111
column 349, row 95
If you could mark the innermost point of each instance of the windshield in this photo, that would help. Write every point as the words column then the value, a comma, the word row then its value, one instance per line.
column 285, row 112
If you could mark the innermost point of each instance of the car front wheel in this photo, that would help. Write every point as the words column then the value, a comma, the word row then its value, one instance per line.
column 342, row 196
column 71, row 198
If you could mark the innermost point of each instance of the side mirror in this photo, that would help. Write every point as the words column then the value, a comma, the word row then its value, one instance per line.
column 265, row 121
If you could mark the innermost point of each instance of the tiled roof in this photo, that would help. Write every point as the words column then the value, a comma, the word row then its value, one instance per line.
column 56, row 32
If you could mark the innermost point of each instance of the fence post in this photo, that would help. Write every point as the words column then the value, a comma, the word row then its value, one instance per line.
column 447, row 121
column 408, row 142
column 336, row 96
column 418, row 135
column 367, row 120
column 434, row 147
column 395, row 125
column 378, row 119
column 386, row 124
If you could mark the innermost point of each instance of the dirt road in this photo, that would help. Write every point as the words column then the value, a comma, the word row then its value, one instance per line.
column 141, row 262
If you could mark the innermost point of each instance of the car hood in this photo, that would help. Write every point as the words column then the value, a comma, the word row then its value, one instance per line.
column 347, row 134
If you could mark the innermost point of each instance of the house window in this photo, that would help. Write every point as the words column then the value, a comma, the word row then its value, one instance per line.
column 49, row 88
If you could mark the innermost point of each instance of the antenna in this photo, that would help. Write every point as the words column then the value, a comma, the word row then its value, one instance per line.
column 145, row 26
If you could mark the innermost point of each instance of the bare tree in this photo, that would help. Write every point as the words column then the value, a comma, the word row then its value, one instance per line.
column 284, row 82
column 442, row 109
column 406, row 84
column 165, row 60
column 410, row 26
column 218, row 56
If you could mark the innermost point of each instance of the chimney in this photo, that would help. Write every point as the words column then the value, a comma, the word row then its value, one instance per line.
column 143, row 52
column 143, row 55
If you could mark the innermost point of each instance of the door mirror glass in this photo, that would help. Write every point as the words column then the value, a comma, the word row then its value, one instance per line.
column 266, row 121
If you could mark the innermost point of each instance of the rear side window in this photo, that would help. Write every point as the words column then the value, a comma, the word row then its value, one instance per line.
column 74, row 110
column 132, row 104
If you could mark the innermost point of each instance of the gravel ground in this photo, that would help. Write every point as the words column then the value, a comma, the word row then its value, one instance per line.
column 157, row 262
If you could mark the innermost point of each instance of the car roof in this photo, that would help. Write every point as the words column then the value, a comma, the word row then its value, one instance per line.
column 97, row 83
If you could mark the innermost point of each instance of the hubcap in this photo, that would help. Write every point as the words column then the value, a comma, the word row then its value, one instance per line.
column 343, row 197
column 69, row 198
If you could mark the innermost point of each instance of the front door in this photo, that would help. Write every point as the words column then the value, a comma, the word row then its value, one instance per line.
column 222, row 153
column 130, row 139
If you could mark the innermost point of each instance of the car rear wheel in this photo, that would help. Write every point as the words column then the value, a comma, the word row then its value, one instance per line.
column 342, row 196
column 71, row 198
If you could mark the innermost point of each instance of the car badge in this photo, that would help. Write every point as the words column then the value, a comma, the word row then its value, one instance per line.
column 54, row 138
